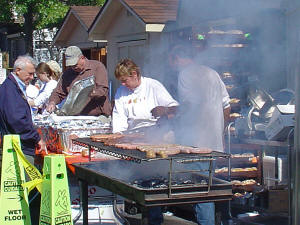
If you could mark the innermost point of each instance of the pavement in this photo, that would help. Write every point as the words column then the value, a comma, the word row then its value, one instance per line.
column 168, row 220
column 137, row 220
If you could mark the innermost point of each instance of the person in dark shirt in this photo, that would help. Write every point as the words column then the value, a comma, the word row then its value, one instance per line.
column 15, row 112
column 16, row 118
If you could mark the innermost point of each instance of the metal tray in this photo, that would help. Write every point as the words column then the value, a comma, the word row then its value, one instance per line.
column 77, row 97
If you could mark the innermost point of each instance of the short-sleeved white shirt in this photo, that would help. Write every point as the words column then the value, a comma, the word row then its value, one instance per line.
column 189, row 81
column 132, row 108
column 202, row 124
column 45, row 93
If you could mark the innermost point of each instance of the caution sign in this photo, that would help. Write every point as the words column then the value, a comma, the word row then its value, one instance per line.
column 55, row 201
column 14, row 208
column 31, row 170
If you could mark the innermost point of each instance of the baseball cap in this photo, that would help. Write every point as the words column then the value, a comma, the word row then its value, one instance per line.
column 72, row 55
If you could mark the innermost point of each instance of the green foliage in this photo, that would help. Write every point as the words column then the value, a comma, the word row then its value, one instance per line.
column 45, row 13
column 6, row 15
column 100, row 2
column 38, row 14
column 51, row 15
column 85, row 2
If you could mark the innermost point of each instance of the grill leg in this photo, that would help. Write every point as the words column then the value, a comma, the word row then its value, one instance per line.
column 83, row 185
column 144, row 216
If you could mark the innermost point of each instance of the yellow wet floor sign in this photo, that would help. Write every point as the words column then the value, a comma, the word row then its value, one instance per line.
column 55, row 201
column 14, row 207
column 31, row 170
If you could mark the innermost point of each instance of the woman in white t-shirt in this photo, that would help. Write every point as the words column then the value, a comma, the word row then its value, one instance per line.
column 49, row 78
column 139, row 101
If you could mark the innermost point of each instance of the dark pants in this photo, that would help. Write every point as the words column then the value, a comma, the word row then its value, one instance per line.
column 34, row 199
column 155, row 216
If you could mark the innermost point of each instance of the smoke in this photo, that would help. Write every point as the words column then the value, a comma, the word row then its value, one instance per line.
column 262, row 56
column 129, row 171
column 200, row 121
column 243, row 38
column 246, row 39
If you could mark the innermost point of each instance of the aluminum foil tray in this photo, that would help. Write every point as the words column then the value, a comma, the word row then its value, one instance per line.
column 77, row 97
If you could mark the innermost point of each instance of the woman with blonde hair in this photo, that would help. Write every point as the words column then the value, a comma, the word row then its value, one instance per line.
column 54, row 66
column 48, row 73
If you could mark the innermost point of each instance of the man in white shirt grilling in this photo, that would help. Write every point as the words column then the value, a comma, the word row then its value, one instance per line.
column 204, row 104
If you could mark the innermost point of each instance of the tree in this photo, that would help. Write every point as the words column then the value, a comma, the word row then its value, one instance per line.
column 6, row 14
column 38, row 14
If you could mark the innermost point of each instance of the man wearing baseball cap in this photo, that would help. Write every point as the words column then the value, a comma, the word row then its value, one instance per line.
column 78, row 68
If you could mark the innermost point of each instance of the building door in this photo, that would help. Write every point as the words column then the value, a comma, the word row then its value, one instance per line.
column 99, row 54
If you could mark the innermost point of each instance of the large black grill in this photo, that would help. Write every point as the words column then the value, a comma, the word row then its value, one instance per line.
column 182, row 184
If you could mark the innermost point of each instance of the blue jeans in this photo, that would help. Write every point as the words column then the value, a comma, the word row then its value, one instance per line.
column 155, row 216
column 204, row 212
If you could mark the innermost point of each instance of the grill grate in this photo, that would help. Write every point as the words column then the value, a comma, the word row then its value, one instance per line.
column 138, row 156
